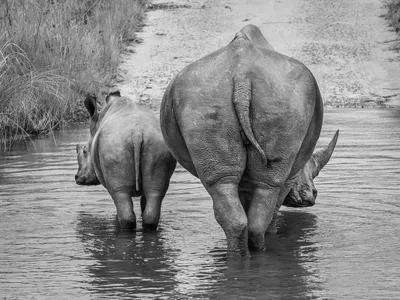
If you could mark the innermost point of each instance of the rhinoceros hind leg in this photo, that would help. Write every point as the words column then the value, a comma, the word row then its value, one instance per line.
column 125, row 214
column 230, row 214
column 261, row 214
column 282, row 195
column 152, row 210
column 150, row 227
column 149, row 222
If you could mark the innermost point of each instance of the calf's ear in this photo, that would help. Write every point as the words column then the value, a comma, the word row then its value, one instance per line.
column 112, row 95
column 322, row 157
column 91, row 105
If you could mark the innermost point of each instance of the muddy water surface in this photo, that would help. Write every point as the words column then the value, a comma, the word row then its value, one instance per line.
column 60, row 241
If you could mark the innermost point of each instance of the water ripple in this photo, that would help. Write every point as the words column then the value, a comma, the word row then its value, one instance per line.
column 61, row 240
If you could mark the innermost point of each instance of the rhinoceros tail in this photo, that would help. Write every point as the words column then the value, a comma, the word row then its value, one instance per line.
column 241, row 103
column 137, row 147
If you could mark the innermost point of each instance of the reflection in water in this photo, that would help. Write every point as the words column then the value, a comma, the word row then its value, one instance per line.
column 141, row 265
column 128, row 264
column 59, row 240
column 283, row 271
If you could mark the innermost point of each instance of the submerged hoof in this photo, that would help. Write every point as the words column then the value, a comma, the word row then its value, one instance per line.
column 127, row 225
column 257, row 242
column 151, row 227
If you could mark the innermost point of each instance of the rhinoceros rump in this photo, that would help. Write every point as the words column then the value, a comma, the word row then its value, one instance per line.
column 245, row 120
column 126, row 153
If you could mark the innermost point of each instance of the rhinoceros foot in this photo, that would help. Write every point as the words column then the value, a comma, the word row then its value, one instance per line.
column 151, row 227
column 127, row 225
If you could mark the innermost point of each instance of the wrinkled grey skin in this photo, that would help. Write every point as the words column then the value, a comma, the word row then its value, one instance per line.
column 245, row 120
column 126, row 153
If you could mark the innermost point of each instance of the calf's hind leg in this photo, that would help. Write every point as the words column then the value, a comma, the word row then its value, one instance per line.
column 125, row 214
column 151, row 212
column 155, row 178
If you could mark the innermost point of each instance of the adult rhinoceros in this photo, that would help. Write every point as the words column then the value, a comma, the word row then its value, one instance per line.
column 245, row 120
column 126, row 153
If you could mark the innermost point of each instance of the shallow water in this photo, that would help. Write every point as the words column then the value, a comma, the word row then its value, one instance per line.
column 60, row 240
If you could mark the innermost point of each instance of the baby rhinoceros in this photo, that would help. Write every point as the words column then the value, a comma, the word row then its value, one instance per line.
column 127, row 154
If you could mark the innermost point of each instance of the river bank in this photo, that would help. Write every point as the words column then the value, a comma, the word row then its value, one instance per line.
column 348, row 45
column 52, row 53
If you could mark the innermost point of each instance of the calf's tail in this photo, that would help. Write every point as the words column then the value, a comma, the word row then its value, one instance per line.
column 137, row 146
column 241, row 103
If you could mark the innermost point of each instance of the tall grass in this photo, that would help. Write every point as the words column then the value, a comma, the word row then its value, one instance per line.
column 54, row 51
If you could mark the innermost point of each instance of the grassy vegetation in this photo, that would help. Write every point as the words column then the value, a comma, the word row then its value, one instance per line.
column 52, row 52
column 393, row 14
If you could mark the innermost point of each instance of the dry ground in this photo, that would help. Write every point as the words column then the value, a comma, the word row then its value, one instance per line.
column 346, row 44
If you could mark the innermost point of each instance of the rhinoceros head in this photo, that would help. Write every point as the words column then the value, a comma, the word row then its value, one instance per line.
column 303, row 192
column 86, row 174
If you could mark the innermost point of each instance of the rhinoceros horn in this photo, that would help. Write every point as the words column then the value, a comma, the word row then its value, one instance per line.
column 322, row 157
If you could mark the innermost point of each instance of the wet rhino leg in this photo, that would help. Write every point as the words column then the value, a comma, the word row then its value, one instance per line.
column 231, row 216
column 211, row 132
column 125, row 214
column 151, row 211
column 119, row 176
column 156, row 174
column 268, row 188
column 261, row 213
column 283, row 193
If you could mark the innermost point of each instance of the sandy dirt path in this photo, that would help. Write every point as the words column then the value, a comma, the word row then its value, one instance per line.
column 345, row 43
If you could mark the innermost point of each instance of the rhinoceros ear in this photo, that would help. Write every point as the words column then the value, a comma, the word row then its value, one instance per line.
column 322, row 157
column 91, row 105
column 112, row 95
